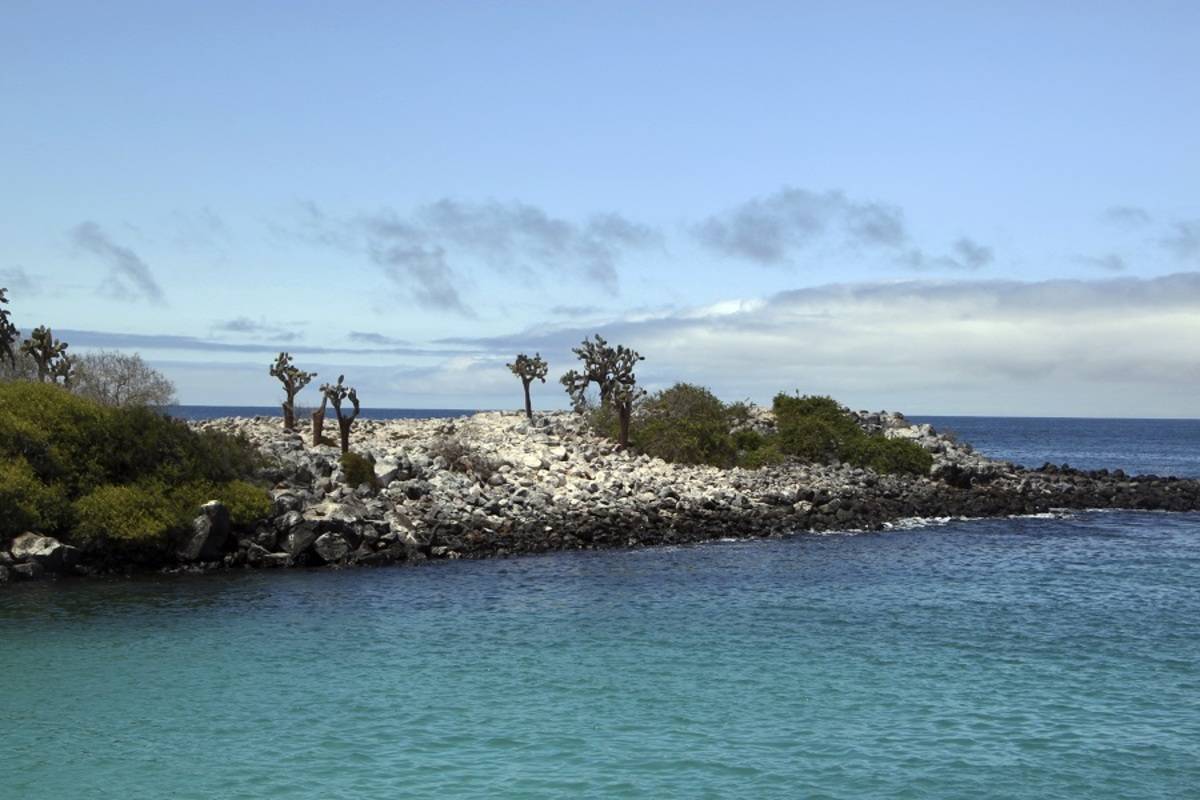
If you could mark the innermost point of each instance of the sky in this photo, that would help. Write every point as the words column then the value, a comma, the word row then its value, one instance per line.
column 939, row 208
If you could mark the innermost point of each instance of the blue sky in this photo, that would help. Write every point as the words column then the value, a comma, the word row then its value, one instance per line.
column 944, row 208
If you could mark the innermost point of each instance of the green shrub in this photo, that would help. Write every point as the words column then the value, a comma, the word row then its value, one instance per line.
column 810, row 438
column 603, row 421
column 819, row 429
column 890, row 456
column 246, row 502
column 747, row 440
column 27, row 503
column 142, row 516
column 358, row 470
column 768, row 454
column 685, row 424
column 90, row 473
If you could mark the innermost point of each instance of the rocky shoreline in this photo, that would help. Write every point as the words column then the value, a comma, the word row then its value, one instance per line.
column 496, row 484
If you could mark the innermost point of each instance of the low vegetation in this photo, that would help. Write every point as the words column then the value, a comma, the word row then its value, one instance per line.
column 687, row 424
column 358, row 470
column 129, row 477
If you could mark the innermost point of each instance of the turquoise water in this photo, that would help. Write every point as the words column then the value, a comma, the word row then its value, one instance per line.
column 1040, row 658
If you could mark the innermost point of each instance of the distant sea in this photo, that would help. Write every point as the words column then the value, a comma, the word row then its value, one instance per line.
column 1045, row 657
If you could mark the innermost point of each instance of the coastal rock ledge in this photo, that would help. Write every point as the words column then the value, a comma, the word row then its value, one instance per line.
column 497, row 484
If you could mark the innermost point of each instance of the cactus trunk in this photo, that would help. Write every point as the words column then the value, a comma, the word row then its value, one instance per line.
column 318, row 424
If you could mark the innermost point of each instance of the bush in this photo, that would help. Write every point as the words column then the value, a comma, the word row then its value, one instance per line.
column 27, row 503
column 246, row 502
column 358, row 470
column 767, row 454
column 76, row 469
column 819, row 429
column 134, row 515
column 891, row 455
column 811, row 439
column 685, row 424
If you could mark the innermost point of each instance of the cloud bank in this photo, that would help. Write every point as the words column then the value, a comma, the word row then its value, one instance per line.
column 1123, row 346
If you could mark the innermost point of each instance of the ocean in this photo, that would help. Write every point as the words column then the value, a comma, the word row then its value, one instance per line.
column 1049, row 657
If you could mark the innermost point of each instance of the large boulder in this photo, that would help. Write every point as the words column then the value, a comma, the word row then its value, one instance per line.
column 332, row 547
column 209, row 533
column 47, row 552
column 299, row 539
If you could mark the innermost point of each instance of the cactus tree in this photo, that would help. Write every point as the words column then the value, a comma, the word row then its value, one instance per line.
column 49, row 354
column 337, row 393
column 8, row 332
column 293, row 380
column 611, row 369
column 529, row 370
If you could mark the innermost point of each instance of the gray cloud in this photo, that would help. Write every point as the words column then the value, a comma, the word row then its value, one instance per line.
column 1110, row 262
column 768, row 229
column 245, row 325
column 1184, row 239
column 1126, row 216
column 423, row 271
column 369, row 337
column 129, row 278
column 18, row 281
column 965, row 255
column 772, row 230
column 429, row 252
column 574, row 311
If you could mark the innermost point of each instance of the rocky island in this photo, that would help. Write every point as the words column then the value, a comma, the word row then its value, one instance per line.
column 499, row 484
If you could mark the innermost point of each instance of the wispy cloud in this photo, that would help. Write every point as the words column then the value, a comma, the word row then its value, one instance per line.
column 1109, row 262
column 138, row 341
column 965, row 255
column 432, row 251
column 261, row 328
column 1183, row 240
column 1126, row 216
column 773, row 230
column 129, row 277
column 17, row 281
column 369, row 337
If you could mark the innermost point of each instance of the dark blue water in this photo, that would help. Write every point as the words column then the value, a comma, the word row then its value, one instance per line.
column 1138, row 446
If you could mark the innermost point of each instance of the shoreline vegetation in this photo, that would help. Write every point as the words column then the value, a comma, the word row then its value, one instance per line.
column 100, row 482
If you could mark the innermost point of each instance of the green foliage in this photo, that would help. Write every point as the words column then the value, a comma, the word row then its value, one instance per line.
column 891, row 455
column 819, row 429
column 765, row 455
column 747, row 439
column 138, row 515
column 74, row 468
column 685, row 424
column 246, row 502
column 27, row 502
column 358, row 469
